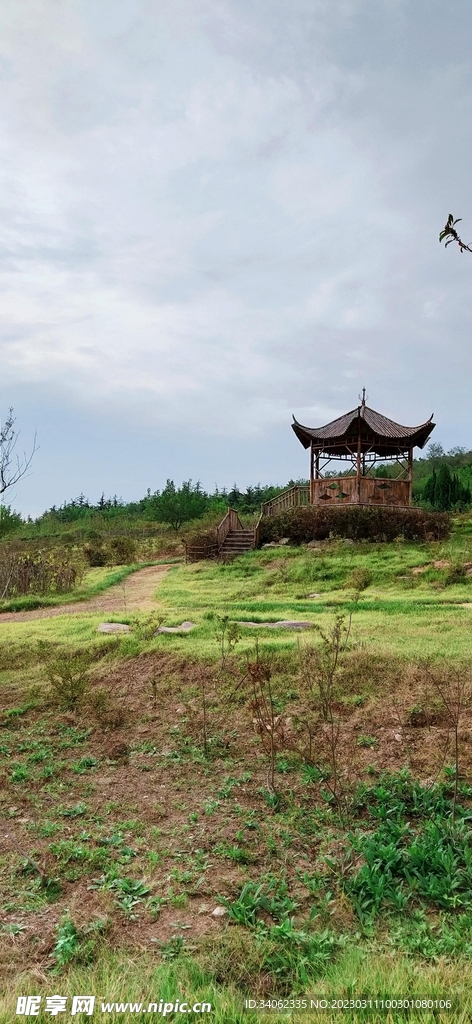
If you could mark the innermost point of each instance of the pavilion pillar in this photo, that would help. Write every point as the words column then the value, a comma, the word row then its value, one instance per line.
column 312, row 474
column 410, row 475
column 359, row 467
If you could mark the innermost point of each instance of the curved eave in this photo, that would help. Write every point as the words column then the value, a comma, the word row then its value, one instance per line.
column 371, row 439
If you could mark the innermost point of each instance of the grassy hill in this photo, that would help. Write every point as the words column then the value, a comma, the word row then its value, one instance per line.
column 306, row 784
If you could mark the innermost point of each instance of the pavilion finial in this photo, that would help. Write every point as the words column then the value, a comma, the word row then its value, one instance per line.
column 362, row 400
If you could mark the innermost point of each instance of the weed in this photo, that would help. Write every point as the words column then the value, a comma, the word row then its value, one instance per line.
column 227, row 635
column 145, row 627
column 68, row 941
column 85, row 764
column 76, row 945
column 359, row 579
column 67, row 672
column 20, row 773
column 269, row 726
column 269, row 896
column 454, row 689
column 238, row 854
column 367, row 741
column 171, row 949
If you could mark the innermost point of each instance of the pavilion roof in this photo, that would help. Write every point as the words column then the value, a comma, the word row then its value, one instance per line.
column 378, row 433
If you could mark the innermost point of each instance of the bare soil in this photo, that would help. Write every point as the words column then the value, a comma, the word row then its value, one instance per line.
column 135, row 593
column 198, row 826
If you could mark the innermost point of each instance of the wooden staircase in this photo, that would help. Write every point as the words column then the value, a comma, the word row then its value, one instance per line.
column 237, row 542
column 231, row 537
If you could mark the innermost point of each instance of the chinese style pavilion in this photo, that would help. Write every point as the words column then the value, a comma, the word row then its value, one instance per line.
column 363, row 438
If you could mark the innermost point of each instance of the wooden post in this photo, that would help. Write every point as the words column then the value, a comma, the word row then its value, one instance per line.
column 410, row 475
column 312, row 482
column 358, row 466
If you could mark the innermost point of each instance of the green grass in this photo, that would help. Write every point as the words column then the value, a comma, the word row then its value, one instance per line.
column 359, row 972
column 305, row 907
column 418, row 617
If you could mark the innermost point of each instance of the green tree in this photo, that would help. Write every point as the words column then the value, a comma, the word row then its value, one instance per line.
column 445, row 491
column 179, row 505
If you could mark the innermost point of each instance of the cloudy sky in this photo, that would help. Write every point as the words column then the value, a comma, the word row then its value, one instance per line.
column 219, row 212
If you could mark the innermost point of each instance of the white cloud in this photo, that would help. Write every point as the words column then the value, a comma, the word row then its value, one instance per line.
column 220, row 212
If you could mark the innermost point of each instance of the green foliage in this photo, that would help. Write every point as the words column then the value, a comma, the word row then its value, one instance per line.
column 257, row 899
column 67, row 943
column 178, row 505
column 418, row 853
column 290, row 954
column 10, row 521
column 76, row 945
column 356, row 522
column 359, row 579
column 444, row 490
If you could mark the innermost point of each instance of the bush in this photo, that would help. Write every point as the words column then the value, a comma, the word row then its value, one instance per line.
column 357, row 522
column 359, row 579
column 123, row 550
column 96, row 554
column 67, row 672
column 33, row 570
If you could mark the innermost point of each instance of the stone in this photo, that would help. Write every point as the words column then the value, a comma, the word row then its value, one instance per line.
column 348, row 542
column 113, row 627
column 219, row 912
column 314, row 595
column 184, row 627
column 284, row 540
column 271, row 544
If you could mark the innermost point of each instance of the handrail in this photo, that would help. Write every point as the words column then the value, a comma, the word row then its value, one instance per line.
column 231, row 521
column 297, row 495
column 257, row 531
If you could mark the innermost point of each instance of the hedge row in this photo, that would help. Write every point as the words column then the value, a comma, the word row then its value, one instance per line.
column 357, row 522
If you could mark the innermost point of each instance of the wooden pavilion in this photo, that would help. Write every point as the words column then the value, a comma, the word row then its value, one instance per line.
column 364, row 438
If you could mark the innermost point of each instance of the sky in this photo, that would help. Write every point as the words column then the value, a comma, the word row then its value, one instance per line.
column 217, row 214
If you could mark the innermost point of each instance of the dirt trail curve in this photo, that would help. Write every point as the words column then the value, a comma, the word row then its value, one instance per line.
column 135, row 593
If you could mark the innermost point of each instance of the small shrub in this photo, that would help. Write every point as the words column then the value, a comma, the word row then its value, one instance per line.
column 359, row 579
column 107, row 708
column 67, row 673
column 123, row 550
column 76, row 944
column 96, row 554
column 456, row 573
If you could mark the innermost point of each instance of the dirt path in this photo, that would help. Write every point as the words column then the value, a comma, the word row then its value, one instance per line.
column 135, row 593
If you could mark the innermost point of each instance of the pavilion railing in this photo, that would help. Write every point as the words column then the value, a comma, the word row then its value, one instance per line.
column 293, row 496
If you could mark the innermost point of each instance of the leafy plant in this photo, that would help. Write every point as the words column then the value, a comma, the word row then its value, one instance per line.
column 359, row 579
column 68, row 941
column 67, row 672
column 367, row 741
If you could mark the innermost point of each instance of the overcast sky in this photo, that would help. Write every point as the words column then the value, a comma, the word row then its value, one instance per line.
column 217, row 213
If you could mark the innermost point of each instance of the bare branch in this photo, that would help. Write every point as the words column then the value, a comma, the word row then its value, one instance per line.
column 12, row 466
